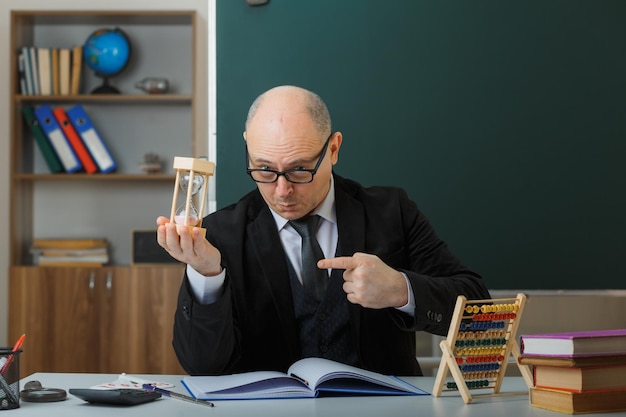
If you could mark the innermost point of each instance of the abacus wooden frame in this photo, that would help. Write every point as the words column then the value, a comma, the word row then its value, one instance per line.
column 448, row 358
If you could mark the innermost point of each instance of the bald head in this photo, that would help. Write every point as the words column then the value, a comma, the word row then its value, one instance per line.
column 287, row 100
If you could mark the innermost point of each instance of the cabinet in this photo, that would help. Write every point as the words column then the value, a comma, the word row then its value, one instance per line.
column 112, row 319
column 116, row 318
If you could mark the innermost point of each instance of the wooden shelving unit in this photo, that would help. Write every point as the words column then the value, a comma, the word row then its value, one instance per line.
column 83, row 314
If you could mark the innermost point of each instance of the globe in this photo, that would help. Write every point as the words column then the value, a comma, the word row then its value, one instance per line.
column 107, row 52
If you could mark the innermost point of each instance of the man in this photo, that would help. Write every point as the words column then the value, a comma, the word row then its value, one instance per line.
column 246, row 304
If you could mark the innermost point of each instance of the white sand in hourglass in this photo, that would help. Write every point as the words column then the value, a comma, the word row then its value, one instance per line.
column 192, row 176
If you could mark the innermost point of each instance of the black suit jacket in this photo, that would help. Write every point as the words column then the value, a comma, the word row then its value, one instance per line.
column 252, row 326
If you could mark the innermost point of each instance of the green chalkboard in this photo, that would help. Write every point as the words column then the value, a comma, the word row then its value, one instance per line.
column 505, row 121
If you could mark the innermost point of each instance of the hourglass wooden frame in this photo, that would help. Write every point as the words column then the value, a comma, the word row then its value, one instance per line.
column 481, row 338
column 195, row 167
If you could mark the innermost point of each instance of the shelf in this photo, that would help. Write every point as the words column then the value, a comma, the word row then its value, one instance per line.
column 129, row 17
column 108, row 98
column 132, row 124
column 95, row 177
column 103, row 205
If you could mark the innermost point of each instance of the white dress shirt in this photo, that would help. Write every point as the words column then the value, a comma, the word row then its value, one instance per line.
column 207, row 289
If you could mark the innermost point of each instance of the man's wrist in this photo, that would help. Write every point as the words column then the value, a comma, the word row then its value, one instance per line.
column 209, row 272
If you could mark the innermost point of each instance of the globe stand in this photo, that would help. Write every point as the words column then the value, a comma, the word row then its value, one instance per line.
column 105, row 88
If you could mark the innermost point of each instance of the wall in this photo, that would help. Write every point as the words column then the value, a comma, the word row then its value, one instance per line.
column 520, row 172
column 201, row 6
column 505, row 121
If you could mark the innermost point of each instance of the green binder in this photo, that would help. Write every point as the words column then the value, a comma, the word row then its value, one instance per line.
column 54, row 164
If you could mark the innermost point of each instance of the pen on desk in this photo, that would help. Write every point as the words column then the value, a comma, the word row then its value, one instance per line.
column 304, row 381
column 176, row 395
column 16, row 347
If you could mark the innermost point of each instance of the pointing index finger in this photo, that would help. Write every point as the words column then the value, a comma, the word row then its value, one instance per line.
column 342, row 262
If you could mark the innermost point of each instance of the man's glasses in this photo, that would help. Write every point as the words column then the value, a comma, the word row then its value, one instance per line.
column 296, row 175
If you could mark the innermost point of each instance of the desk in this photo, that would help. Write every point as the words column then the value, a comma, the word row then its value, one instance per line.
column 450, row 404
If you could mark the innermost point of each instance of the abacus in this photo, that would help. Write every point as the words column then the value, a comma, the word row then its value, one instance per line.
column 480, row 341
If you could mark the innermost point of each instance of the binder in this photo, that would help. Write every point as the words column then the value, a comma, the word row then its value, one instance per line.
column 55, row 135
column 49, row 155
column 92, row 139
column 74, row 139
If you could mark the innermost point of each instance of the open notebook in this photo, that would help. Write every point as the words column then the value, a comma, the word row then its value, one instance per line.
column 309, row 377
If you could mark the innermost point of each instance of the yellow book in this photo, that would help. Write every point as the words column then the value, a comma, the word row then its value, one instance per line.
column 69, row 243
column 578, row 402
column 45, row 78
column 54, row 57
column 64, row 71
column 72, row 264
column 77, row 64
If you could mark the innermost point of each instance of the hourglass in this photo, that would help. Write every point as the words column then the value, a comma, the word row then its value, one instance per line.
column 192, row 175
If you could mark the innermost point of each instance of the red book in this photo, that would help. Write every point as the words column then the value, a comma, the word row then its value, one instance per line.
column 75, row 140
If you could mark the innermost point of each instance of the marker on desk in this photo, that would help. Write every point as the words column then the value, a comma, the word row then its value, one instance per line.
column 16, row 347
column 176, row 395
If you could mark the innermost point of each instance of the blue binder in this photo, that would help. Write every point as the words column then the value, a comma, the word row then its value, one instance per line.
column 57, row 138
column 92, row 139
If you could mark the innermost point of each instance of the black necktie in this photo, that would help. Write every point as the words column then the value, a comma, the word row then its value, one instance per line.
column 313, row 278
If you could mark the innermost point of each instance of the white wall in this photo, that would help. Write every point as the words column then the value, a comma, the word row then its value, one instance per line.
column 205, row 13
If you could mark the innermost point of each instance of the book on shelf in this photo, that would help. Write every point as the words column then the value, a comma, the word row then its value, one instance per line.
column 57, row 138
column 77, row 64
column 92, row 139
column 578, row 402
column 55, row 252
column 21, row 73
column 45, row 71
column 44, row 145
column 64, row 71
column 97, row 259
column 28, row 75
column 91, row 260
column 69, row 243
column 54, row 62
column 75, row 141
column 573, row 344
column 70, row 252
column 34, row 69
column 306, row 378
column 72, row 264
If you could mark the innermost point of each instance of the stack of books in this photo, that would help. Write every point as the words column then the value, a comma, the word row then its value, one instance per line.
column 50, row 71
column 577, row 372
column 70, row 252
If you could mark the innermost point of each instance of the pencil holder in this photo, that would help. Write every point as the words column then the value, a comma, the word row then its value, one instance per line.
column 9, row 379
